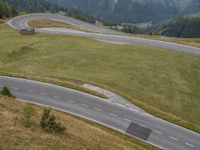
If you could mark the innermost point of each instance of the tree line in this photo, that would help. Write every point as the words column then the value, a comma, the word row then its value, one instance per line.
column 7, row 11
column 42, row 6
column 185, row 27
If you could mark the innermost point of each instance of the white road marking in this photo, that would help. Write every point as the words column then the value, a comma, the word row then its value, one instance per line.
column 97, row 109
column 113, row 114
column 159, row 132
column 71, row 101
column 127, row 120
column 142, row 125
column 84, row 105
column 133, row 109
column 58, row 103
column 173, row 138
column 43, row 93
column 14, row 88
column 30, row 91
column 188, row 144
column 148, row 115
column 57, row 97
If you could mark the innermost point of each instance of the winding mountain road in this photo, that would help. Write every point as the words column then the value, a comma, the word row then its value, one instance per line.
column 127, row 120
column 124, row 119
column 99, row 33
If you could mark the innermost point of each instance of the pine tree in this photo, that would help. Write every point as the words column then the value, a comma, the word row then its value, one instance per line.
column 6, row 92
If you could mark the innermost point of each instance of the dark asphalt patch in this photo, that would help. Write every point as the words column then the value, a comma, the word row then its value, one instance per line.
column 138, row 131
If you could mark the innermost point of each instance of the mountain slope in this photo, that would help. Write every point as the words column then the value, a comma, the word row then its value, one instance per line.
column 33, row 6
column 186, row 27
column 6, row 11
column 134, row 11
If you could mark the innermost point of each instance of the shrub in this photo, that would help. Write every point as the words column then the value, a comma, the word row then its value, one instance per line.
column 28, row 113
column 48, row 122
column 6, row 92
column 2, row 21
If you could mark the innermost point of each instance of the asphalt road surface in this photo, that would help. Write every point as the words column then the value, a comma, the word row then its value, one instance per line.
column 99, row 33
column 124, row 119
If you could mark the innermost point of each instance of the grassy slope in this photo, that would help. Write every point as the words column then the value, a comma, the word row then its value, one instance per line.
column 150, row 77
column 49, row 23
column 186, row 41
column 44, row 23
column 80, row 134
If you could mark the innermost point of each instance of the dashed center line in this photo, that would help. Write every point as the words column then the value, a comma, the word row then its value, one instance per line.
column 158, row 132
column 30, row 91
column 173, row 138
column 84, row 105
column 71, row 101
column 127, row 120
column 14, row 88
column 57, row 97
column 113, row 114
column 143, row 125
column 58, row 103
column 188, row 144
column 43, row 93
column 97, row 109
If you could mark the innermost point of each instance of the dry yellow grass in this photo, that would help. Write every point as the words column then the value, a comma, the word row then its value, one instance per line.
column 187, row 41
column 45, row 23
column 41, row 23
column 2, row 21
column 80, row 134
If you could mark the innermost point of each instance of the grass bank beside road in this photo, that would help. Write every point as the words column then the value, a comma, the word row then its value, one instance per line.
column 185, row 41
column 163, row 82
column 45, row 23
column 79, row 135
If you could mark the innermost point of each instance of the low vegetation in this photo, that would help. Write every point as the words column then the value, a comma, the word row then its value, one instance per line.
column 6, row 10
column 45, row 23
column 28, row 112
column 49, row 123
column 186, row 41
column 80, row 134
column 163, row 82
column 6, row 92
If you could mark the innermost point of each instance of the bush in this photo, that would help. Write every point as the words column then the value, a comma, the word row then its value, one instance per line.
column 6, row 92
column 28, row 113
column 48, row 122
column 2, row 21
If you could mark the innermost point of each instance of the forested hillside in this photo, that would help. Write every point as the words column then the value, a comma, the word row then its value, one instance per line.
column 186, row 27
column 34, row 6
column 6, row 11
column 133, row 11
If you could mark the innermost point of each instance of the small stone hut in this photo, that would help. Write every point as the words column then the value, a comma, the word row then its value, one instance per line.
column 28, row 31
